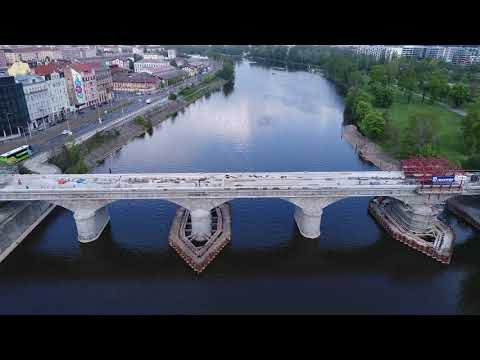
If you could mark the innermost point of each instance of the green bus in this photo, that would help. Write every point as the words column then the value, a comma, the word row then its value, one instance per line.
column 14, row 156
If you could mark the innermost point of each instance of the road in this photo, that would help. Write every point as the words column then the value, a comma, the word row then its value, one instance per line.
column 221, row 185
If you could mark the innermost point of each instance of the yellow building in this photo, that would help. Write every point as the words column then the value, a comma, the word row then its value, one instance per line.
column 19, row 68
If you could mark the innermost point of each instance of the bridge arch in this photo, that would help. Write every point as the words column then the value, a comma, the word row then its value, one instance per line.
column 91, row 217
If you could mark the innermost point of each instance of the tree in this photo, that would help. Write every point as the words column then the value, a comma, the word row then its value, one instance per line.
column 438, row 86
column 459, row 94
column 420, row 135
column 471, row 130
column 379, row 74
column 362, row 108
column 383, row 95
column 137, row 57
column 228, row 70
column 391, row 134
column 408, row 82
column 373, row 124
column 172, row 96
column 356, row 94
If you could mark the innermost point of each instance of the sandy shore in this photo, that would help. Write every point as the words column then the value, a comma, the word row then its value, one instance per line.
column 368, row 150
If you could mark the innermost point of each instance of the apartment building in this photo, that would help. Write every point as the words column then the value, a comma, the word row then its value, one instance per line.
column 150, row 66
column 78, row 53
column 13, row 107
column 3, row 61
column 58, row 101
column 134, row 82
column 81, row 85
column 36, row 96
column 103, row 76
column 32, row 54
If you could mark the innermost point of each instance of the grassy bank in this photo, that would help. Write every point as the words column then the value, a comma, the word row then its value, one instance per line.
column 447, row 132
column 70, row 159
column 193, row 93
column 79, row 159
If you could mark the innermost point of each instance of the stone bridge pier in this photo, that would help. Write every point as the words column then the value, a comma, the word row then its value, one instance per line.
column 91, row 217
column 308, row 214
column 200, row 214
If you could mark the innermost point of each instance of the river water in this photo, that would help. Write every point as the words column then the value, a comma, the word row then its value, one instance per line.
column 271, row 120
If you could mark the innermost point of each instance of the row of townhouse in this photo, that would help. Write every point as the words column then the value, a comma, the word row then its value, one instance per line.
column 32, row 54
column 49, row 92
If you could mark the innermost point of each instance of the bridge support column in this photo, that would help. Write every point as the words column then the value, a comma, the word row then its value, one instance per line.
column 90, row 223
column 201, row 222
column 308, row 214
column 200, row 214
column 91, row 218
column 308, row 223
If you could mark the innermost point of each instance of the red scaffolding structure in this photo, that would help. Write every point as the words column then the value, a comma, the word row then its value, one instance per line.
column 424, row 168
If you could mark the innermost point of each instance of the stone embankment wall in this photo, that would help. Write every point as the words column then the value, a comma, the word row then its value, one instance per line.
column 466, row 208
column 132, row 130
column 18, row 219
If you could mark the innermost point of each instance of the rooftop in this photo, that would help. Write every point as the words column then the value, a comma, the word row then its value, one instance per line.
column 49, row 68
column 29, row 79
column 31, row 49
column 80, row 67
column 170, row 74
column 153, row 61
column 134, row 77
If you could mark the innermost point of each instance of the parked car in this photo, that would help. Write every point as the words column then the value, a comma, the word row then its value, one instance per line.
column 67, row 132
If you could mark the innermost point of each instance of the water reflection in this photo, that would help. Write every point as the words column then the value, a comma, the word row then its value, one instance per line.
column 228, row 88
column 287, row 121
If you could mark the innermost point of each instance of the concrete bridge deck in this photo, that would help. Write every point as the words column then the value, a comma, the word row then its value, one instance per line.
column 87, row 195
column 213, row 185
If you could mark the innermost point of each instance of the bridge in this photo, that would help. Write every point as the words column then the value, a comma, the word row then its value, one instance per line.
column 87, row 196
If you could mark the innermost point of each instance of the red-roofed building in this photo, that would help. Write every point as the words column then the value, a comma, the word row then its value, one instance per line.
column 43, row 70
column 135, row 82
column 58, row 99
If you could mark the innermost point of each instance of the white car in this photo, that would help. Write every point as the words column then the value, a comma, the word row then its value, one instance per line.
column 148, row 101
column 67, row 132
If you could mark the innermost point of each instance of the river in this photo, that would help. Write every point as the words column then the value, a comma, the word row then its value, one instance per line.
column 271, row 120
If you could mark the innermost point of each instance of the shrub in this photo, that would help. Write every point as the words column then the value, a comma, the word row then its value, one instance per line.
column 373, row 124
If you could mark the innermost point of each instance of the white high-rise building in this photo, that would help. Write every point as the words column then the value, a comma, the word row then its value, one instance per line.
column 172, row 54
column 379, row 51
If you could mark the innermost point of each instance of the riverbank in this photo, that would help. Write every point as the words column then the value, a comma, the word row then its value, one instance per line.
column 368, row 151
column 18, row 220
column 133, row 129
column 466, row 208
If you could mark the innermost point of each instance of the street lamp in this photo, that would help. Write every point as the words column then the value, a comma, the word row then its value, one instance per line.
column 98, row 114
column 9, row 125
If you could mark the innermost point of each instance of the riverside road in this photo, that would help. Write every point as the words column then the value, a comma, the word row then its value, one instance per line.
column 88, row 119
